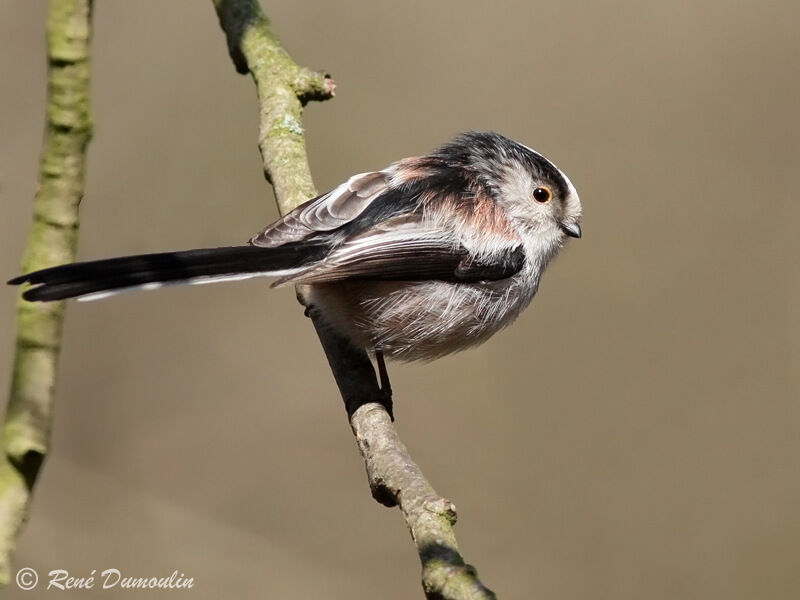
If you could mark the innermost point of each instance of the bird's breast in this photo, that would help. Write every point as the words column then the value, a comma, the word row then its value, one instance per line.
column 420, row 320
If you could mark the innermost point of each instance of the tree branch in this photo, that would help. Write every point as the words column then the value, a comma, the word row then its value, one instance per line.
column 52, row 241
column 283, row 87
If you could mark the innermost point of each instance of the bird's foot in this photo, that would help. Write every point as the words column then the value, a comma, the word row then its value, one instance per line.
column 385, row 400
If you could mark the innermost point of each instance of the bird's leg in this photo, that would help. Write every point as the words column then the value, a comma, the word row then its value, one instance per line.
column 354, row 401
column 386, row 387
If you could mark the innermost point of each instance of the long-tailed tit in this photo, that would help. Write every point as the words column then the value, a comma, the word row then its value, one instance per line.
column 429, row 256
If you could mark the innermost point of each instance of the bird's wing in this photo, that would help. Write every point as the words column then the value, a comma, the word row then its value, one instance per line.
column 404, row 248
column 418, row 219
column 326, row 212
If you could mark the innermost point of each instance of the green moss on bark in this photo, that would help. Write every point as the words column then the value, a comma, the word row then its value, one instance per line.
column 52, row 240
column 283, row 87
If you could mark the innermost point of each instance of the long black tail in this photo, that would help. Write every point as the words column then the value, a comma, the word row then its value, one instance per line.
column 153, row 270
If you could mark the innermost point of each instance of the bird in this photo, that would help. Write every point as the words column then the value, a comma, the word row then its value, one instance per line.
column 429, row 256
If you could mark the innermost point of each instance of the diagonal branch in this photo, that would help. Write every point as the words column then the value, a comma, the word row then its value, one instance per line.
column 52, row 240
column 283, row 87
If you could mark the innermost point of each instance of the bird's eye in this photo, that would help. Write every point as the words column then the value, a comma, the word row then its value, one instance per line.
column 542, row 194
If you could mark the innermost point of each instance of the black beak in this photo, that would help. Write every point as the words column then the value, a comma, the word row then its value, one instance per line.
column 571, row 229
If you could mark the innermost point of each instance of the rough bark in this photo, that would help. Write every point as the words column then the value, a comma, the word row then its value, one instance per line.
column 52, row 240
column 283, row 88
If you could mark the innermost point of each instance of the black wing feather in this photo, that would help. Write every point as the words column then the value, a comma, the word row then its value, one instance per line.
column 413, row 262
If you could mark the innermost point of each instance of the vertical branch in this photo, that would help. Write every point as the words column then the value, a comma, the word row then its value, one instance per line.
column 52, row 240
column 395, row 480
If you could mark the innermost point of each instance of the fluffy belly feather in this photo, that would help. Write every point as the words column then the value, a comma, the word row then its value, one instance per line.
column 419, row 320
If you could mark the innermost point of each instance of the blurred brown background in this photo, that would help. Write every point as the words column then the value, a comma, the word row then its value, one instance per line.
column 635, row 435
